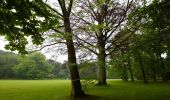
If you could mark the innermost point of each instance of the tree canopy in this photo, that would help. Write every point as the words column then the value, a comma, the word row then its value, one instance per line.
column 20, row 19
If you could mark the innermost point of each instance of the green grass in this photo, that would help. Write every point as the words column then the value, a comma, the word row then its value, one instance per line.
column 53, row 89
column 33, row 89
column 119, row 90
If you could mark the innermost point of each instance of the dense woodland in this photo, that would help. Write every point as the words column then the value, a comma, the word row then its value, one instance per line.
column 126, row 66
column 128, row 39
column 33, row 66
column 36, row 66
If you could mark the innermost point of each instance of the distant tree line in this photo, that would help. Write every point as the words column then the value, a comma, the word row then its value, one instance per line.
column 32, row 66
column 36, row 66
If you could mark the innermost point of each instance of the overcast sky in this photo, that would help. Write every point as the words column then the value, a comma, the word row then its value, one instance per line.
column 2, row 43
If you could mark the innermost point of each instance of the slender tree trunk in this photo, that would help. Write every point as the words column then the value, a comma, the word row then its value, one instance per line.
column 74, row 73
column 142, row 68
column 154, row 74
column 101, row 62
column 163, row 68
column 148, row 75
column 130, row 70
column 125, row 72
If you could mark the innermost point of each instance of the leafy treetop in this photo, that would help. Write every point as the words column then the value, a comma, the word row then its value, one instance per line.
column 20, row 19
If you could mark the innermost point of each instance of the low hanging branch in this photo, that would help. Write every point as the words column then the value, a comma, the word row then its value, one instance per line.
column 45, row 46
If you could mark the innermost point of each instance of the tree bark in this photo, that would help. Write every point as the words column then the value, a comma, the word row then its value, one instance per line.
column 130, row 69
column 101, row 61
column 154, row 74
column 142, row 68
column 74, row 73
column 125, row 72
column 163, row 68
column 72, row 63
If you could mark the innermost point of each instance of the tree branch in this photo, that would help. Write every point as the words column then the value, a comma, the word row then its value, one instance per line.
column 56, row 30
column 42, row 47
column 53, row 10
column 45, row 47
column 63, row 7
column 119, row 44
column 70, row 7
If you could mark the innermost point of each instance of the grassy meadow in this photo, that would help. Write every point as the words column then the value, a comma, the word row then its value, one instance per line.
column 55, row 89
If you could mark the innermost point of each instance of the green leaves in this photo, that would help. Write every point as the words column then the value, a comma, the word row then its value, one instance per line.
column 33, row 66
column 22, row 18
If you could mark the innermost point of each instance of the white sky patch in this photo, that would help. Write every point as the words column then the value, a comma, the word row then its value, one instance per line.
column 2, row 43
column 13, row 10
column 59, row 58
column 164, row 55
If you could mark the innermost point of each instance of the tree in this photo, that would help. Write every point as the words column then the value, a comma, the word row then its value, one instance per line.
column 98, row 22
column 154, row 25
column 130, row 68
column 122, row 59
column 74, row 73
column 6, row 68
column 60, row 70
column 16, row 26
column 149, row 41
column 27, row 24
column 33, row 66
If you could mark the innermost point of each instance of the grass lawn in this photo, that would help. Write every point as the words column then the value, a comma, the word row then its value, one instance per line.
column 54, row 89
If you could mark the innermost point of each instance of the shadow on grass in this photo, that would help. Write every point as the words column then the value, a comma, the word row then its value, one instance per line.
column 107, row 85
column 88, row 97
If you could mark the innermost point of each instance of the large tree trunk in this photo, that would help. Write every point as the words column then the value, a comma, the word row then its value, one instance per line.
column 74, row 73
column 130, row 70
column 142, row 68
column 101, row 62
column 102, row 70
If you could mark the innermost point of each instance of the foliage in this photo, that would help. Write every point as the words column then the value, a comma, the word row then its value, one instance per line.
column 88, row 70
column 60, row 70
column 20, row 19
column 6, row 68
column 96, row 33
column 150, row 40
column 33, row 66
